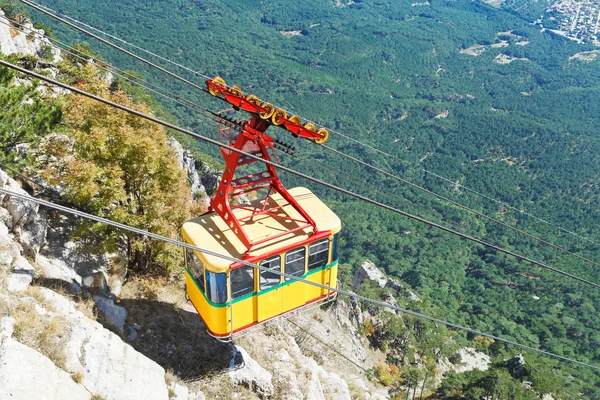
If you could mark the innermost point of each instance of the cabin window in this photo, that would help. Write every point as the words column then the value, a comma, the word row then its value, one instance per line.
column 242, row 281
column 294, row 261
column 336, row 242
column 318, row 253
column 216, row 288
column 195, row 267
column 269, row 279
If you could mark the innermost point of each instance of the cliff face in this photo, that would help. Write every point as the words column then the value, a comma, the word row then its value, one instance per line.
column 30, row 42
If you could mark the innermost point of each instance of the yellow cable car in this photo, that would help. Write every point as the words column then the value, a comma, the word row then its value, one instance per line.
column 233, row 297
column 285, row 231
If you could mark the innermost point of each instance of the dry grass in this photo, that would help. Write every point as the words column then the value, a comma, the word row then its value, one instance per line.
column 4, row 306
column 88, row 308
column 77, row 377
column 148, row 288
column 221, row 388
column 47, row 334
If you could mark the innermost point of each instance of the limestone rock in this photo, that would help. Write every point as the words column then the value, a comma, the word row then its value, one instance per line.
column 59, row 303
column 97, row 280
column 180, row 392
column 467, row 359
column 247, row 372
column 21, row 277
column 111, row 368
column 22, row 211
column 26, row 374
column 31, row 42
column 187, row 162
column 113, row 314
column 7, row 325
column 55, row 269
column 33, row 235
column 368, row 270
column 5, row 218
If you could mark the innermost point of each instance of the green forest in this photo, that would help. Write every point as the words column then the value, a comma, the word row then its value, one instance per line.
column 429, row 84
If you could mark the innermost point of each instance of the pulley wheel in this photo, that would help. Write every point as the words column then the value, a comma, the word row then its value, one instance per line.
column 270, row 110
column 253, row 99
column 217, row 80
column 237, row 91
column 278, row 116
column 324, row 133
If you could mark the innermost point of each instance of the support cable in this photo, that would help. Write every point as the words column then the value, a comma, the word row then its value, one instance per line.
column 294, row 172
column 283, row 274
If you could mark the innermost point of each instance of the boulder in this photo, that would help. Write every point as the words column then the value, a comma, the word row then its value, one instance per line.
column 109, row 367
column 33, row 235
column 246, row 372
column 368, row 270
column 55, row 269
column 21, row 277
column 22, row 211
column 9, row 249
column 26, row 374
column 5, row 217
column 516, row 366
column 97, row 280
column 113, row 314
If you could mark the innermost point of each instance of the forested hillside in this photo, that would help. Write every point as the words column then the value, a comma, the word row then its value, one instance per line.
column 466, row 91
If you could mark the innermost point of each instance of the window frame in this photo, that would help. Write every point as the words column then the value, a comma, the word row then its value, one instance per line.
column 220, row 295
column 285, row 267
column 231, row 281
column 202, row 281
column 260, row 276
column 314, row 244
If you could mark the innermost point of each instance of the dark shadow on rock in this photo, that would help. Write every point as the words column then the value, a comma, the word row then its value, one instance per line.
column 176, row 339
column 58, row 285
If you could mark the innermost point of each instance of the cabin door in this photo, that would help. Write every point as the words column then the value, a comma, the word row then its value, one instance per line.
column 270, row 292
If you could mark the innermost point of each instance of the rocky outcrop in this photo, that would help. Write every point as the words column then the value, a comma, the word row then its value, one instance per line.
column 202, row 179
column 516, row 366
column 368, row 270
column 31, row 41
column 187, row 162
column 113, row 314
column 465, row 360
column 21, row 276
column 247, row 372
column 26, row 374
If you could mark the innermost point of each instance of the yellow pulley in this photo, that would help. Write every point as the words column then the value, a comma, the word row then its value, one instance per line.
column 270, row 110
column 217, row 80
column 324, row 133
column 236, row 90
column 278, row 115
column 294, row 119
column 310, row 127
column 253, row 99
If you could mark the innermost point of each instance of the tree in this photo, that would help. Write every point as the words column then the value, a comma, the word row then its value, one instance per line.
column 25, row 115
column 119, row 166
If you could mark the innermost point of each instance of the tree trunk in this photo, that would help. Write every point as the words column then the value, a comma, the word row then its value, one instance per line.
column 423, row 385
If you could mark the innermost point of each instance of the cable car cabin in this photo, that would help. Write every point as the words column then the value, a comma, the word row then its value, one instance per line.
column 231, row 297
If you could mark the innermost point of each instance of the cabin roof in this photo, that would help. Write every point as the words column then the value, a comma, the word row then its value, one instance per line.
column 210, row 231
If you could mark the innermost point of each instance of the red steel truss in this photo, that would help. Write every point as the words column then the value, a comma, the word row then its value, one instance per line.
column 252, row 138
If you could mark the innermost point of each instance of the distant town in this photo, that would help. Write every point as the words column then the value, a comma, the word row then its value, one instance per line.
column 576, row 20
